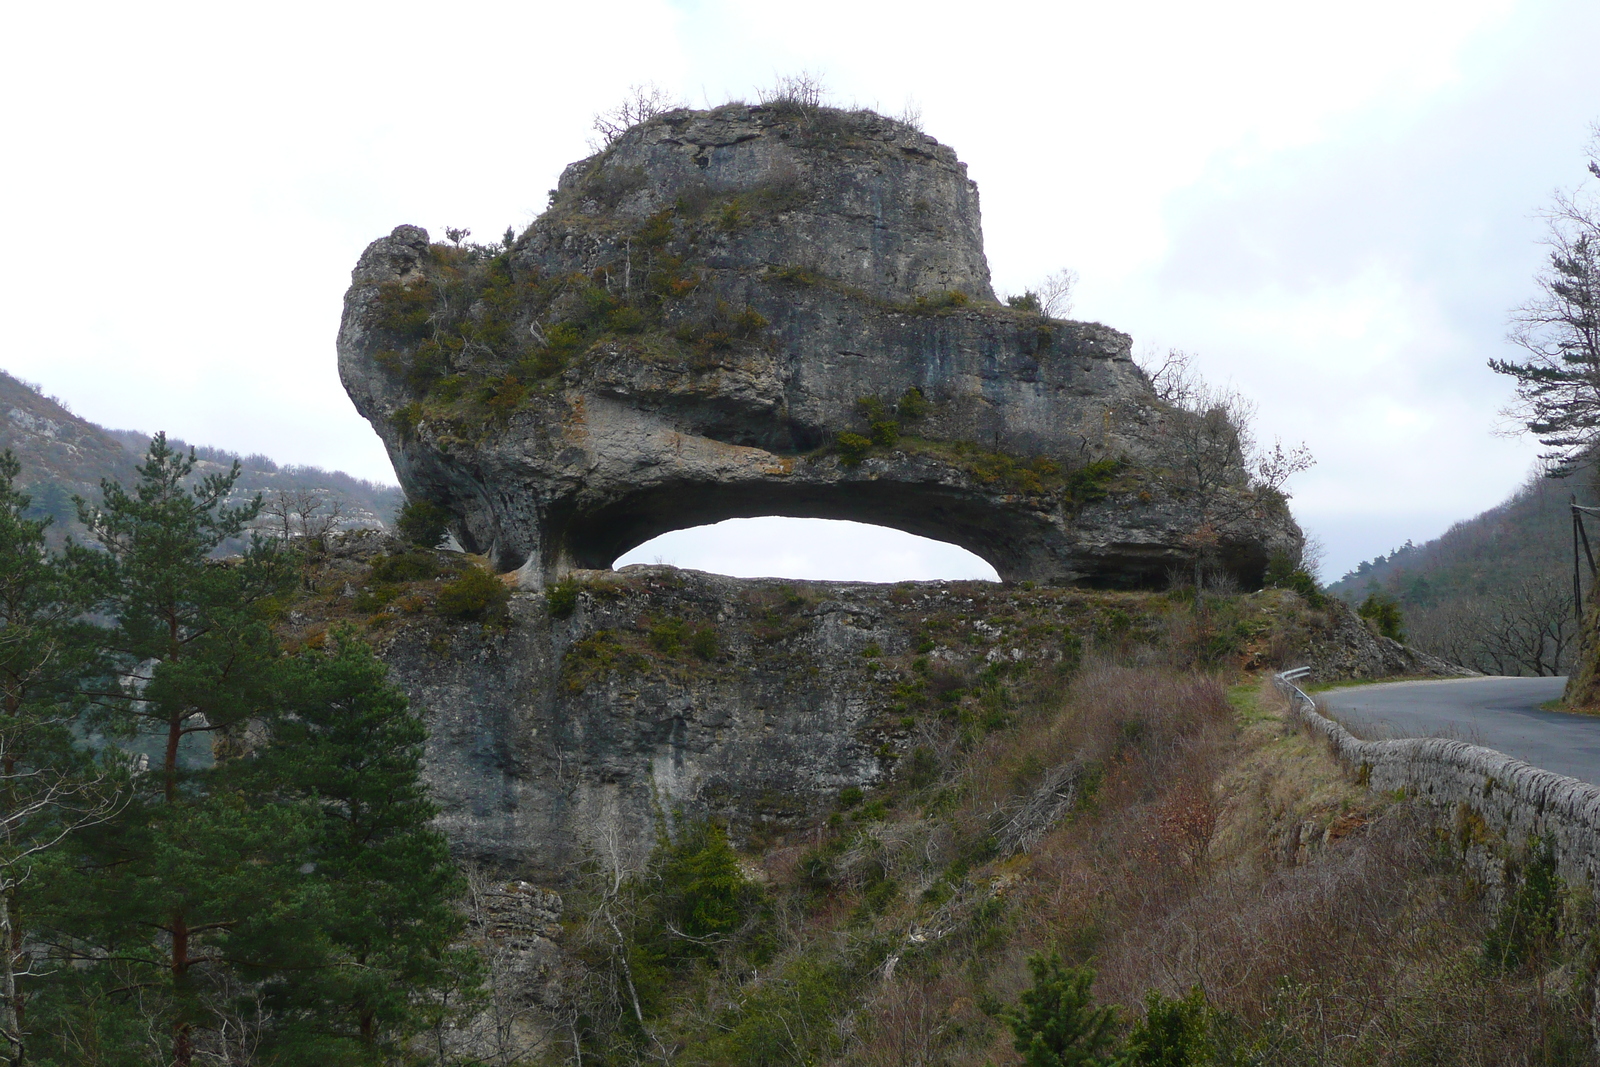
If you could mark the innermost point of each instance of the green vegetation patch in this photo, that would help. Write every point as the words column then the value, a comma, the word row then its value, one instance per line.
column 480, row 335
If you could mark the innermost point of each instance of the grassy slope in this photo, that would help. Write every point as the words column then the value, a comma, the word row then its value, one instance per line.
column 1219, row 848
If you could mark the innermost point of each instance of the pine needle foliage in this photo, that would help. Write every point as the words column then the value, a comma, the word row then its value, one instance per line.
column 1057, row 1023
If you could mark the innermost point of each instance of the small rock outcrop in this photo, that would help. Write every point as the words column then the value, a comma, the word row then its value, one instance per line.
column 773, row 311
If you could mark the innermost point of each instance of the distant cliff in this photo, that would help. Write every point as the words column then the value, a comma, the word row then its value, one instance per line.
column 64, row 456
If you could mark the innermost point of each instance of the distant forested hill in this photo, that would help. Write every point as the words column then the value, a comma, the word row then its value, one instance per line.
column 1493, row 592
column 63, row 456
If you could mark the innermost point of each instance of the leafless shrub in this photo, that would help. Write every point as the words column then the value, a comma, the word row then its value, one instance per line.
column 1529, row 629
column 911, row 115
column 643, row 103
column 1173, row 376
column 1053, row 298
column 905, row 1020
column 802, row 93
column 1055, row 293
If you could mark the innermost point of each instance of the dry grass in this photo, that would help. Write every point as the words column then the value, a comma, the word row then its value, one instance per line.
column 1222, row 848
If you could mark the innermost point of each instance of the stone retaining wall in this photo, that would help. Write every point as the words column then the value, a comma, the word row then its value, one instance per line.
column 1484, row 791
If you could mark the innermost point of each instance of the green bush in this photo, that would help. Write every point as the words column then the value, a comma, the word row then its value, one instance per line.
column 885, row 433
column 561, row 599
column 407, row 567
column 913, row 405
column 1384, row 614
column 1173, row 1032
column 923, row 768
column 1284, row 573
column 789, row 1019
column 423, row 523
column 703, row 643
column 668, row 636
column 853, row 448
column 476, row 595
column 1530, row 916
column 371, row 601
column 1057, row 1024
column 1091, row 482
column 950, row 298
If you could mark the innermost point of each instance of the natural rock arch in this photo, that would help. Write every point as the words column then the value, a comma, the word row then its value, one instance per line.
column 756, row 311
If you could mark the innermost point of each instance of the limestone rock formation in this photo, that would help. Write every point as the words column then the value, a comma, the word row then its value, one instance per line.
column 590, row 713
column 772, row 311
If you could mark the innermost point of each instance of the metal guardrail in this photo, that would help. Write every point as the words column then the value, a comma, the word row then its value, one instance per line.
column 1284, row 682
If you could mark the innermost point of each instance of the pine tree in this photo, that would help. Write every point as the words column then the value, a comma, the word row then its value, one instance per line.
column 190, row 654
column 1558, row 384
column 1057, row 1024
column 191, row 641
column 48, row 787
column 287, row 885
column 378, row 913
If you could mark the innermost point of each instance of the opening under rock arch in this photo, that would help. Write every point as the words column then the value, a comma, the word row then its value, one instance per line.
column 811, row 549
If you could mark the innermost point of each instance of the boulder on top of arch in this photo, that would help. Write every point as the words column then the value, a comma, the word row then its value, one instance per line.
column 769, row 311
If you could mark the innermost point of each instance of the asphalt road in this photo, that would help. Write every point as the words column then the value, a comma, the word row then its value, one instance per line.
column 1497, row 713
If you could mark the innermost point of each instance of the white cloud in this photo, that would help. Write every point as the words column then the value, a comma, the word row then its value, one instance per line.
column 1330, row 203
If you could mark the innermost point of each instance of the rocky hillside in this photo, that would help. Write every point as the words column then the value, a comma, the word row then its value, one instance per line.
column 899, row 792
column 1494, row 591
column 64, row 456
column 778, row 310
column 617, row 695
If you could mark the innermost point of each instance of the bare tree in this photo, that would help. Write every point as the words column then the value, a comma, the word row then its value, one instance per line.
column 643, row 103
column 1208, row 452
column 1053, row 298
column 1055, row 293
column 1173, row 376
column 1558, row 384
column 305, row 519
column 1529, row 630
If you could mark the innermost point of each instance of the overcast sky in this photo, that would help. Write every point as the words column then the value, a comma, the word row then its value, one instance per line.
column 1332, row 205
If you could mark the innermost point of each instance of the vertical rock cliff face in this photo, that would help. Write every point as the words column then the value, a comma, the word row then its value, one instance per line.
column 584, row 719
column 754, row 703
column 756, row 311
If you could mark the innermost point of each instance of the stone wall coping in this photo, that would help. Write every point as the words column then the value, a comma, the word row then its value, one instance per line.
column 1514, row 798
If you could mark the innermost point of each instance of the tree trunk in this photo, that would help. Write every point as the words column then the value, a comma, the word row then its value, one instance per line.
column 169, row 766
column 182, row 1029
column 10, row 1008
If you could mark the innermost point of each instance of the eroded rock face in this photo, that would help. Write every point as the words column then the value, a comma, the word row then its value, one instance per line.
column 754, row 312
column 755, row 703
column 577, row 724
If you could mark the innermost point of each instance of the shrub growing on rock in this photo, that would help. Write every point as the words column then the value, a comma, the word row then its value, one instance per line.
column 853, row 448
column 423, row 523
column 561, row 599
column 1383, row 612
column 476, row 595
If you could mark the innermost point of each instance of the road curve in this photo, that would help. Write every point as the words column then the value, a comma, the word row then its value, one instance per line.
column 1498, row 713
